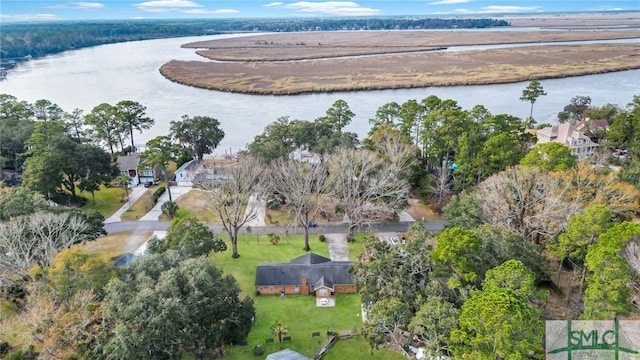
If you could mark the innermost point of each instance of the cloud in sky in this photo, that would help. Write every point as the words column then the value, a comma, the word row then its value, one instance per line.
column 28, row 17
column 167, row 5
column 278, row 3
column 85, row 5
column 493, row 9
column 346, row 8
column 449, row 2
column 217, row 11
column 507, row 8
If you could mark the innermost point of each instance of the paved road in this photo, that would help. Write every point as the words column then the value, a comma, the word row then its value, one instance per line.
column 117, row 227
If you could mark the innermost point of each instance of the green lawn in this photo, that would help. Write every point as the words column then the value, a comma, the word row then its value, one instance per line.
column 298, row 313
column 108, row 200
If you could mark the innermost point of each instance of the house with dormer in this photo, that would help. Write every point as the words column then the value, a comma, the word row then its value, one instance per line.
column 567, row 134
column 131, row 165
column 309, row 274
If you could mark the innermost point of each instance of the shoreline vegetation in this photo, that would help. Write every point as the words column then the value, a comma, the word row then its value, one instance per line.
column 299, row 63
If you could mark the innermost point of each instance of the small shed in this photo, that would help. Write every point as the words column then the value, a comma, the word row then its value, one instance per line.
column 287, row 354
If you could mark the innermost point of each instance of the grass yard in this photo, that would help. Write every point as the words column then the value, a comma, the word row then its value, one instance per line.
column 141, row 207
column 298, row 313
column 117, row 244
column 195, row 204
column 357, row 348
column 108, row 200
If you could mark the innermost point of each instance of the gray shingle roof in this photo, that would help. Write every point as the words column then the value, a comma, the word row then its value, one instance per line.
column 286, row 354
column 319, row 271
column 128, row 162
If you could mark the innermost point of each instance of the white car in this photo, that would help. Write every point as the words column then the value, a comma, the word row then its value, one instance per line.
column 324, row 301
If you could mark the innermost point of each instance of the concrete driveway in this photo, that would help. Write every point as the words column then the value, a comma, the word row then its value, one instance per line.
column 176, row 192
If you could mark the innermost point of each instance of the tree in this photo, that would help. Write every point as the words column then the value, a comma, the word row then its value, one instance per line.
column 455, row 256
column 16, row 126
column 624, row 132
column 160, row 151
column 367, row 187
column 55, row 160
column 45, row 110
column 189, row 306
column 275, row 142
column 170, row 208
column 103, row 124
column 74, row 122
column 531, row 94
column 433, row 324
column 385, row 271
column 526, row 201
column 301, row 186
column 230, row 197
column 36, row 239
column 574, row 112
column 98, row 169
column 463, row 211
column 384, row 320
column 190, row 238
column 74, row 271
column 550, row 156
column 608, row 294
column 582, row 231
column 124, row 180
column 131, row 116
column 339, row 115
column 200, row 134
column 498, row 324
column 279, row 330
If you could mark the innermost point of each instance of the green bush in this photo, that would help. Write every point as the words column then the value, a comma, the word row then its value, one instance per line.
column 274, row 239
column 258, row 350
column 156, row 194
column 322, row 238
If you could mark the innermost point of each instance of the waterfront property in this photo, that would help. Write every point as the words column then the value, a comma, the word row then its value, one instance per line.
column 581, row 145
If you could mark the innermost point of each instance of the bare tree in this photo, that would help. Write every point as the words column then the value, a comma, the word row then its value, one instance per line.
column 301, row 186
column 527, row 201
column 229, row 196
column 368, row 188
column 441, row 187
column 36, row 239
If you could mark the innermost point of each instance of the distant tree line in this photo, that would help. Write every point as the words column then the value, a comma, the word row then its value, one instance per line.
column 18, row 40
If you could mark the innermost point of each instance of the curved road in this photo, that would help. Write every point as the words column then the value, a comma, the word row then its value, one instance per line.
column 122, row 226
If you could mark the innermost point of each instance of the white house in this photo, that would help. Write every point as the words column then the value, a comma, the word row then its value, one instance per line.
column 581, row 145
column 186, row 172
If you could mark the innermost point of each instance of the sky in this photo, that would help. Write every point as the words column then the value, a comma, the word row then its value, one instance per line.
column 30, row 10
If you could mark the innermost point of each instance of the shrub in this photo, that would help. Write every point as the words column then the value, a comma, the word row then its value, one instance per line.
column 322, row 238
column 156, row 194
column 258, row 350
column 274, row 239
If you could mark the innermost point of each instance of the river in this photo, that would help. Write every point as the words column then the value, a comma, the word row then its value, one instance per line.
column 110, row 73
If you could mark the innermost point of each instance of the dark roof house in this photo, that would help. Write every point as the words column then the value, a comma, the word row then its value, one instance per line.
column 123, row 261
column 286, row 354
column 304, row 275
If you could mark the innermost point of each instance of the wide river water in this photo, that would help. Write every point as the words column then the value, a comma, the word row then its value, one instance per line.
column 110, row 73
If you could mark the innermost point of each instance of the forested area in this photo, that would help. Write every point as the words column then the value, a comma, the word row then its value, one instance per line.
column 532, row 233
column 18, row 40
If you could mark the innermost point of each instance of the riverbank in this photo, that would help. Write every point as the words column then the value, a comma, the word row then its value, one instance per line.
column 417, row 70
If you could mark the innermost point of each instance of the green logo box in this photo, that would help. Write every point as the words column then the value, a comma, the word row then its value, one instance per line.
column 584, row 339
